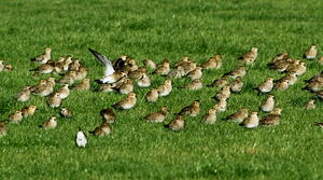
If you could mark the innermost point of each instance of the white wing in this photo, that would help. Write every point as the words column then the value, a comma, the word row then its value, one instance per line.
column 105, row 61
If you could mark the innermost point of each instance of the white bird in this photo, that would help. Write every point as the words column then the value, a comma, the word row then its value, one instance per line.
column 109, row 70
column 81, row 140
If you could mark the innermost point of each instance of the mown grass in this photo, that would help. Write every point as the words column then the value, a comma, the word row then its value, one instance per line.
column 158, row 29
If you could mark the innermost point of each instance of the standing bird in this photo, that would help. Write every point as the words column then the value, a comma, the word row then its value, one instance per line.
column 311, row 52
column 66, row 113
column 24, row 95
column 84, row 85
column 16, row 117
column 236, row 85
column 239, row 116
column 108, row 115
column 310, row 105
column 269, row 104
column 282, row 85
column 55, row 100
column 177, row 124
column 144, row 81
column 163, row 68
column 80, row 139
column 191, row 110
column 215, row 62
column 194, row 85
column 266, row 86
column 29, row 111
column 3, row 129
column 165, row 89
column 103, row 130
column 152, row 95
column 127, row 103
column 150, row 64
column 250, row 56
column 252, row 121
column 210, row 117
column 195, row 74
column 43, row 58
column 50, row 124
column 64, row 92
column 157, row 117
column 273, row 118
column 44, row 69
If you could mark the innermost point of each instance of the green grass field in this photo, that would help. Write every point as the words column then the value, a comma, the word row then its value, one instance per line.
column 158, row 29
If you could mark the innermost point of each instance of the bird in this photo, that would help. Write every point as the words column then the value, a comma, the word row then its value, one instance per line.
column 1, row 66
column 269, row 104
column 191, row 110
column 44, row 69
column 239, row 116
column 311, row 52
column 250, row 56
column 177, row 124
column 290, row 77
column 252, row 121
column 16, row 117
column 152, row 95
column 116, row 76
column 64, row 64
column 177, row 73
column 43, row 58
column 130, row 65
column 150, row 64
column 81, row 74
column 137, row 74
column 163, row 68
column 84, row 85
column 314, row 86
column 194, row 85
column 74, row 66
column 68, row 78
column 321, row 60
column 219, row 83
column 55, row 100
column 298, row 69
column 210, row 117
column 65, row 113
column 108, row 115
column 125, row 87
column 195, row 74
column 106, row 88
column 44, row 88
column 103, row 130
column 24, row 95
column 157, row 117
column 80, row 139
column 310, row 105
column 144, row 81
column 236, row 85
column 3, row 129
column 320, row 94
column 127, row 103
column 221, row 106
column 224, row 93
column 64, row 91
column 266, row 86
column 29, row 111
column 165, row 89
column 282, row 85
column 273, row 118
column 50, row 124
column 320, row 124
column 239, row 72
column 215, row 62
column 109, row 70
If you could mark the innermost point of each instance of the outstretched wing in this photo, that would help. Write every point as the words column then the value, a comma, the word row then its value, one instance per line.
column 105, row 61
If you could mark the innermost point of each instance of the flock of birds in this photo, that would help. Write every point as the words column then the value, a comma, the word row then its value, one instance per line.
column 123, row 74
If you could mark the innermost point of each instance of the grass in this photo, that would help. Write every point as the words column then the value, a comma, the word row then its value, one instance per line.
column 158, row 29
